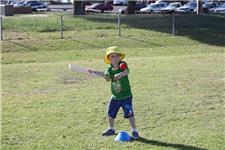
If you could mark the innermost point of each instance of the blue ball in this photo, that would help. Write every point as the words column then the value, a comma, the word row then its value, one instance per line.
column 123, row 136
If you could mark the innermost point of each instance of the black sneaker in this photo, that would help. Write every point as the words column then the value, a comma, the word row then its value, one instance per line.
column 108, row 132
column 135, row 135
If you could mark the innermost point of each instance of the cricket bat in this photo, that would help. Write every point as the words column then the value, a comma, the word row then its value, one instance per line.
column 87, row 71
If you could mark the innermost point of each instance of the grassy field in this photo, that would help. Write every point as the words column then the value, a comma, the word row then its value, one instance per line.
column 177, row 82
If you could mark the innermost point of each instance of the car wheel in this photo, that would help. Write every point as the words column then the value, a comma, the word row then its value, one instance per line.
column 102, row 11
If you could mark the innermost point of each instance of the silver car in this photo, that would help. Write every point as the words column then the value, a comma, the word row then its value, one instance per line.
column 189, row 7
column 155, row 7
column 172, row 7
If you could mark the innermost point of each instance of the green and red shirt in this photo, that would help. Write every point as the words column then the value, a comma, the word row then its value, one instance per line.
column 120, row 88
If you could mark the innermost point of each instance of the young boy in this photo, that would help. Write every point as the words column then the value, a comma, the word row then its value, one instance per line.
column 117, row 73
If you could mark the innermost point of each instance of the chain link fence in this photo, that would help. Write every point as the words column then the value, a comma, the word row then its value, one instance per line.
column 203, row 28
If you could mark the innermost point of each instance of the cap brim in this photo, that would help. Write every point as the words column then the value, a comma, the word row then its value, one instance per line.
column 106, row 58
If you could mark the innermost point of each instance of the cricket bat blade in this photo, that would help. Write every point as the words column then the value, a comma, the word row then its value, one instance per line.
column 80, row 69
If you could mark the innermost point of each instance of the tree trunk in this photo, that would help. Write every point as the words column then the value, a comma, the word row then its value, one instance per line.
column 79, row 8
column 199, row 6
column 131, row 7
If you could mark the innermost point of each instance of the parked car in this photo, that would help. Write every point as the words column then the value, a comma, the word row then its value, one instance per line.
column 99, row 6
column 161, row 1
column 209, row 5
column 189, row 7
column 19, row 4
column 11, row 2
column 120, row 2
column 172, row 7
column 137, row 6
column 220, row 9
column 155, row 7
column 35, row 5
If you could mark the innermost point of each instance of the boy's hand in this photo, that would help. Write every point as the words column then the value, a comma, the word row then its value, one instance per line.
column 90, row 71
column 98, row 73
column 117, row 76
column 107, row 78
column 120, row 75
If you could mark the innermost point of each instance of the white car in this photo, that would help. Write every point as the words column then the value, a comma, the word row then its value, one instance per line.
column 220, row 9
column 18, row 4
column 155, row 7
column 120, row 2
column 34, row 4
column 172, row 7
column 189, row 7
column 159, row 1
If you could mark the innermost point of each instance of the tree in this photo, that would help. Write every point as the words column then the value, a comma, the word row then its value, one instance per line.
column 78, row 7
column 199, row 6
column 131, row 7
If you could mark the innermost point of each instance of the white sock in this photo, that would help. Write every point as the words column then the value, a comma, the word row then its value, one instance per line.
column 133, row 130
column 112, row 128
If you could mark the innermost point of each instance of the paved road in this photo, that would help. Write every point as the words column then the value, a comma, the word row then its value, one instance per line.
column 60, row 6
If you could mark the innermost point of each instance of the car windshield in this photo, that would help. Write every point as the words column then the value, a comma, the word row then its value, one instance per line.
column 222, row 5
column 94, row 5
column 207, row 4
column 152, row 5
column 34, row 2
column 174, row 5
column 190, row 4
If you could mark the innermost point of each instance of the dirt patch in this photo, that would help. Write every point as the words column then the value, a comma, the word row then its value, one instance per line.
column 67, row 78
column 14, row 140
column 39, row 91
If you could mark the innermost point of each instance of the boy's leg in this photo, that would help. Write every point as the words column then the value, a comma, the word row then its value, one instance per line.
column 111, row 129
column 133, row 127
column 113, row 108
column 111, row 123
column 132, row 123
column 128, row 113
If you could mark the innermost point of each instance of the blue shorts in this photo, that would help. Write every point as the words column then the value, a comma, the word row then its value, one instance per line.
column 114, row 106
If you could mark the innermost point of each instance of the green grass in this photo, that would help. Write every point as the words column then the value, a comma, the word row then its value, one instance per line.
column 207, row 29
column 177, row 83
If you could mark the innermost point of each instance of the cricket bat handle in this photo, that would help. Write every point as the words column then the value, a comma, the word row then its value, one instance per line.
column 98, row 73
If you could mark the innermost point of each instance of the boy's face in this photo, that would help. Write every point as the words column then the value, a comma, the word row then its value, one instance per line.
column 114, row 58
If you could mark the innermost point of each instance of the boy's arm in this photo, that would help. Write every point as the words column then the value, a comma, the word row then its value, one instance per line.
column 98, row 73
column 101, row 74
column 121, row 74
column 124, row 73
column 124, row 67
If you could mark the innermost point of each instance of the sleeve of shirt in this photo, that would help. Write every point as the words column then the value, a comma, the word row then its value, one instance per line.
column 108, row 72
column 127, row 68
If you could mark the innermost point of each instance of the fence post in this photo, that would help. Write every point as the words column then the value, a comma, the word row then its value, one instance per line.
column 119, row 30
column 1, row 36
column 61, row 26
column 173, row 24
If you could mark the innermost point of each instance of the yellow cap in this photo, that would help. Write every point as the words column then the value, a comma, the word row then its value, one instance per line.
column 110, row 50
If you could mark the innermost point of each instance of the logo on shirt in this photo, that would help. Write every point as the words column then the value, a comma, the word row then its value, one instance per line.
column 116, row 86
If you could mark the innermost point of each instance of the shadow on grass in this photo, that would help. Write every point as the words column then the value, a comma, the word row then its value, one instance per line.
column 30, row 48
column 86, row 43
column 205, row 28
column 143, row 41
column 169, row 145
